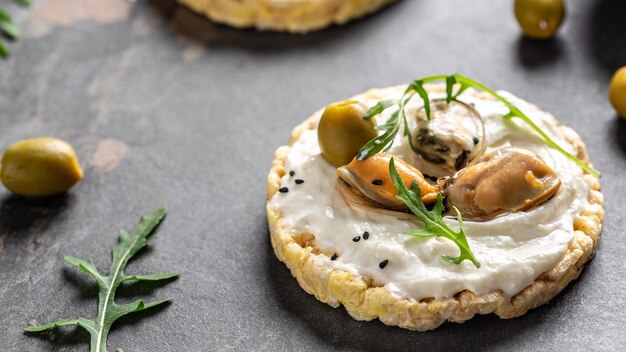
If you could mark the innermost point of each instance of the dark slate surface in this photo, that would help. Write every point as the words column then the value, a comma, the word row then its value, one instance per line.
column 164, row 107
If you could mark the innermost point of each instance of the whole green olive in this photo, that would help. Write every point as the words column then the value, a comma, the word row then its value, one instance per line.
column 40, row 167
column 343, row 130
column 539, row 19
column 617, row 91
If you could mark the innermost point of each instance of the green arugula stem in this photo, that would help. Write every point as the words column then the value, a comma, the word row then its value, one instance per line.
column 9, row 29
column 130, row 243
column 515, row 112
column 384, row 141
column 434, row 225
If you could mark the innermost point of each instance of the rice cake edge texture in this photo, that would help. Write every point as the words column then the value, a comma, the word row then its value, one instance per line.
column 366, row 301
column 295, row 16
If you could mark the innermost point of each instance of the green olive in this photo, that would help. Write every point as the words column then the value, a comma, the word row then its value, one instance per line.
column 617, row 91
column 40, row 167
column 539, row 19
column 343, row 130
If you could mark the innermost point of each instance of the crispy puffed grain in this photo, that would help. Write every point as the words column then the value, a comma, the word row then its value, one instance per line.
column 295, row 16
column 365, row 301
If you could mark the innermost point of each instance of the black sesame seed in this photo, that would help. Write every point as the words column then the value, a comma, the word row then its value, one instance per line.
column 334, row 257
column 291, row 173
column 475, row 140
column 299, row 181
column 377, row 182
column 283, row 190
column 356, row 239
column 366, row 235
column 383, row 264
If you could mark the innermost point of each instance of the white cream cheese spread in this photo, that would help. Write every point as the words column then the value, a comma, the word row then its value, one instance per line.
column 513, row 249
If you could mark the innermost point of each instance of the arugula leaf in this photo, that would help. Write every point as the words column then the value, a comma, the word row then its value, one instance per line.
column 434, row 226
column 9, row 29
column 382, row 142
column 516, row 112
column 417, row 86
column 390, row 129
column 379, row 108
column 128, row 245
column 4, row 52
column 450, row 81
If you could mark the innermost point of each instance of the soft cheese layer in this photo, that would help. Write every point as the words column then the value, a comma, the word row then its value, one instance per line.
column 513, row 249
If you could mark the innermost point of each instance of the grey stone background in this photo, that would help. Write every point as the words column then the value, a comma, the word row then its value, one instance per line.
column 165, row 108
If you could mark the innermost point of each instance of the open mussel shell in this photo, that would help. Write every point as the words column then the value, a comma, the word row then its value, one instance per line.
column 507, row 180
column 367, row 185
column 452, row 139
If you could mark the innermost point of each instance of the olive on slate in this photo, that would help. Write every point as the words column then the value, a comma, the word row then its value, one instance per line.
column 617, row 91
column 343, row 130
column 540, row 19
column 40, row 167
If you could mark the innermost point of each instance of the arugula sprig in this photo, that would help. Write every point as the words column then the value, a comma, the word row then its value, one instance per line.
column 391, row 127
column 384, row 141
column 108, row 311
column 434, row 226
column 9, row 29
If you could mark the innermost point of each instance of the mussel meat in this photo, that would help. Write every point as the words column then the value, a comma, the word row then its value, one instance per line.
column 506, row 180
column 452, row 139
column 366, row 183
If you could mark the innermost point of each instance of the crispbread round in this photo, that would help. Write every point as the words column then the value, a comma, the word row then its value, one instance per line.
column 296, row 16
column 365, row 301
